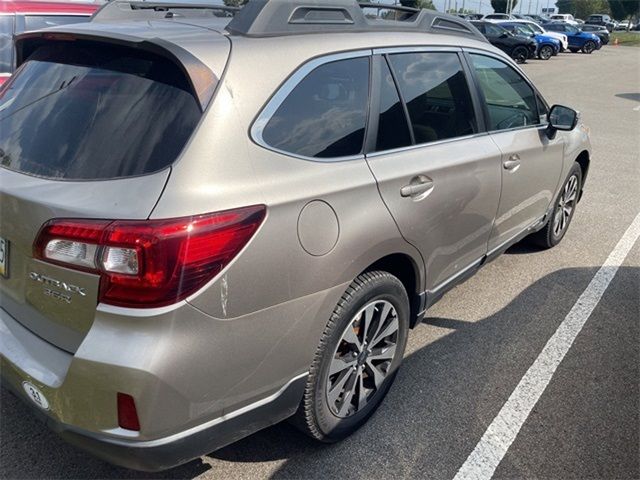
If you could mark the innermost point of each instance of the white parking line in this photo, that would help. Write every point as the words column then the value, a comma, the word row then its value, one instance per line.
column 495, row 442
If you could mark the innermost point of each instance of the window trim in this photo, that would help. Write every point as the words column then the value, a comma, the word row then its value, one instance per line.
column 382, row 53
column 467, row 54
column 257, row 127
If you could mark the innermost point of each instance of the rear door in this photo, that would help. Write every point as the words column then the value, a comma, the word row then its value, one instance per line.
column 86, row 131
column 531, row 162
column 437, row 174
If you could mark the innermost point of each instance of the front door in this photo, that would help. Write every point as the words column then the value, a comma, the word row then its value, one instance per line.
column 531, row 162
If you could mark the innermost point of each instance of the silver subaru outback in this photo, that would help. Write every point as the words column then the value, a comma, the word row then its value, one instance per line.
column 216, row 219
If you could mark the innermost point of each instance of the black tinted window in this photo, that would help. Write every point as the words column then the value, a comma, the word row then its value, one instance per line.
column 36, row 22
column 555, row 27
column 494, row 30
column 325, row 114
column 6, row 43
column 393, row 130
column 83, row 111
column 435, row 90
column 480, row 26
column 510, row 101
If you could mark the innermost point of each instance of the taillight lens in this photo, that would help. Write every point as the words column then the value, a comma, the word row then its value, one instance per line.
column 149, row 263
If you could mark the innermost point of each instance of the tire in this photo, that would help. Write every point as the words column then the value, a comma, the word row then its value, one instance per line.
column 589, row 47
column 545, row 52
column 550, row 235
column 328, row 416
column 520, row 54
column 574, row 50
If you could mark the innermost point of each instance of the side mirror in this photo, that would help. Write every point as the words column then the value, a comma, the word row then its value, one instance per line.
column 561, row 118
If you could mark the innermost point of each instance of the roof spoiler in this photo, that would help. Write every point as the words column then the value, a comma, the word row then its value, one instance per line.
column 202, row 80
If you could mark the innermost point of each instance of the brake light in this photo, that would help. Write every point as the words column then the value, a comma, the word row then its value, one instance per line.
column 149, row 263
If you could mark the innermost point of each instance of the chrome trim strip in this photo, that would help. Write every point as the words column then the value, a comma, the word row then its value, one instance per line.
column 425, row 145
column 206, row 425
column 452, row 278
column 416, row 49
column 283, row 92
column 139, row 312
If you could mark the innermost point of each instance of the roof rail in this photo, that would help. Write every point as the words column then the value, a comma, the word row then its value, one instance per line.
column 143, row 10
column 268, row 18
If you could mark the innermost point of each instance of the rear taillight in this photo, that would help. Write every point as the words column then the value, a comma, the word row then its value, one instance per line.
column 149, row 263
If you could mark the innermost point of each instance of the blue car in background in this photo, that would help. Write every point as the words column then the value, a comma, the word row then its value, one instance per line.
column 547, row 46
column 578, row 40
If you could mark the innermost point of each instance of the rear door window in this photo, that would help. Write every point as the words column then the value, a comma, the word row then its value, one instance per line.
column 393, row 130
column 6, row 43
column 435, row 90
column 325, row 115
column 36, row 22
column 81, row 110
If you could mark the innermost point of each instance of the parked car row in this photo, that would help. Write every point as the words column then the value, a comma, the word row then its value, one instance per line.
column 597, row 19
column 525, row 39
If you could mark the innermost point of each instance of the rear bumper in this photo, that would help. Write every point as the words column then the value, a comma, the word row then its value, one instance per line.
column 164, row 453
column 80, row 392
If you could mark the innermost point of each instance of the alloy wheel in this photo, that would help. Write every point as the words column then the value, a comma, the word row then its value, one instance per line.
column 546, row 52
column 566, row 205
column 362, row 360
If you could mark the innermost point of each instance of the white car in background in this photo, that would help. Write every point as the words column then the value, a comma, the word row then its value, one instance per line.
column 624, row 25
column 565, row 18
column 541, row 31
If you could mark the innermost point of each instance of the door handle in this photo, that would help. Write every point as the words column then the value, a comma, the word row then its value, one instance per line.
column 513, row 163
column 420, row 186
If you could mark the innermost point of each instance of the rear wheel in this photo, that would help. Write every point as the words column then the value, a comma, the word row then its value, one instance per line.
column 357, row 359
column 589, row 47
column 545, row 52
column 520, row 54
column 558, row 224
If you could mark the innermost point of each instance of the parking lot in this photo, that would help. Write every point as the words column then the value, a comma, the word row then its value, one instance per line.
column 476, row 345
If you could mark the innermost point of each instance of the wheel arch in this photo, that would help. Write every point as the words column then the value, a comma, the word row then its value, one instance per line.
column 584, row 160
column 405, row 268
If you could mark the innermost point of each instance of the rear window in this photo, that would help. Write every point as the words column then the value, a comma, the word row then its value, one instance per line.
column 37, row 22
column 326, row 113
column 82, row 111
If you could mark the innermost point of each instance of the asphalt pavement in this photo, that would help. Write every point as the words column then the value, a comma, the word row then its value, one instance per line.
column 472, row 350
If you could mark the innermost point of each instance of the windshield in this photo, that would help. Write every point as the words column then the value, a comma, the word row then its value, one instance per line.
column 524, row 30
column 535, row 28
column 493, row 29
column 83, row 111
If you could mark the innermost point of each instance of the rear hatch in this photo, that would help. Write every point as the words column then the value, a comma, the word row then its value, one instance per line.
column 88, row 130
